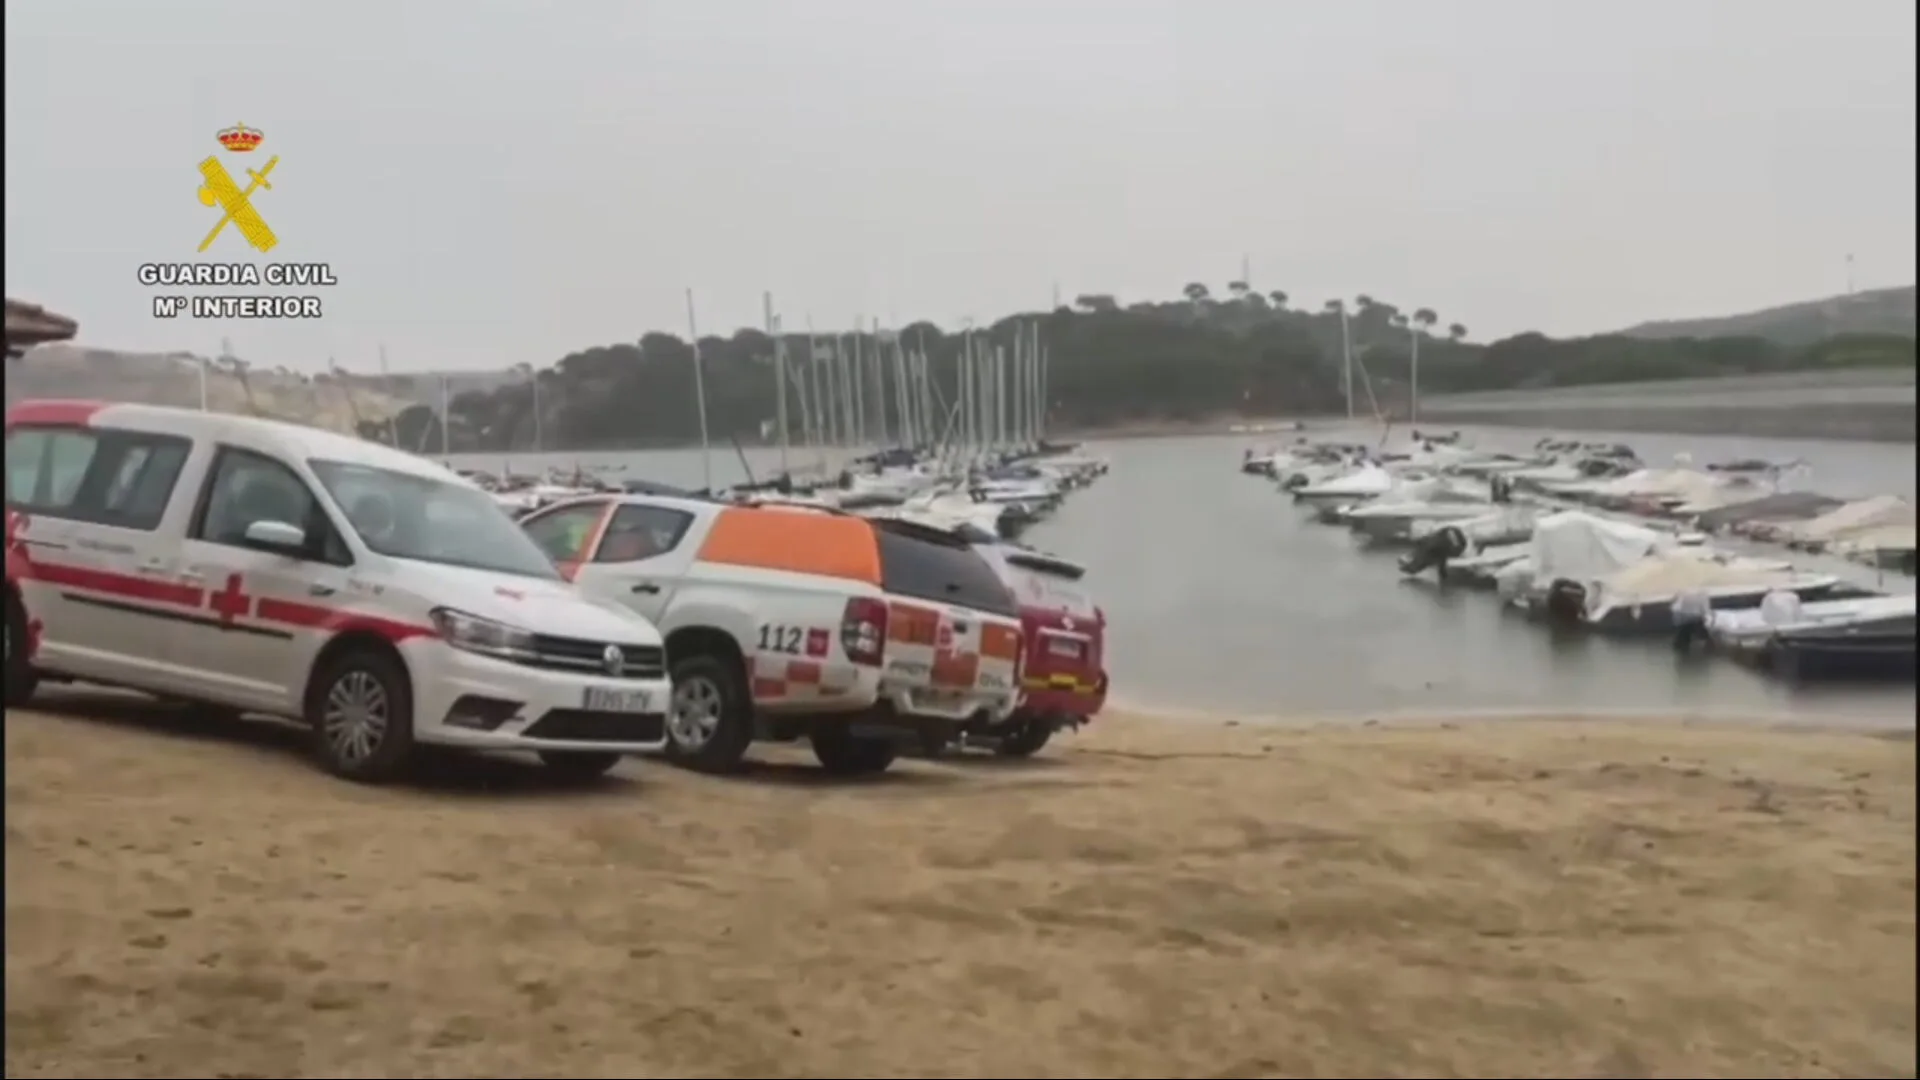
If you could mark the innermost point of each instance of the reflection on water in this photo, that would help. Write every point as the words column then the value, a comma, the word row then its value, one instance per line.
column 1222, row 596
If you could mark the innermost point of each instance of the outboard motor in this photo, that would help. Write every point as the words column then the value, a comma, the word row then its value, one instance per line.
column 1449, row 542
column 1567, row 602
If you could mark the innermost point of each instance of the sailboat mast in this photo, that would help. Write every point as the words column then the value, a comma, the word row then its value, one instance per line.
column 1045, row 393
column 1000, row 397
column 393, row 424
column 877, row 358
column 899, row 368
column 822, row 383
column 779, row 378
column 1346, row 358
column 699, row 396
column 1039, row 394
column 859, row 383
column 963, row 392
column 446, row 416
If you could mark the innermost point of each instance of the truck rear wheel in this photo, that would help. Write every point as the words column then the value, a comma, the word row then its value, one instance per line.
column 843, row 754
column 1025, row 738
column 710, row 723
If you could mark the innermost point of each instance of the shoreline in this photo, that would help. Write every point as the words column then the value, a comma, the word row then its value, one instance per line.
column 1894, row 723
column 1702, row 423
column 1147, row 898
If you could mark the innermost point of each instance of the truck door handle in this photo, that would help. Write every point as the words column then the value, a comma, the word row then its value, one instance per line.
column 647, row 587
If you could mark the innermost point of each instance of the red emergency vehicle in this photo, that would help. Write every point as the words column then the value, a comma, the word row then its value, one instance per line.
column 1063, row 676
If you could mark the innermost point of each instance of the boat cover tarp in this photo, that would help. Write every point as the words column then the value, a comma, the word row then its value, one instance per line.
column 1661, row 577
column 1877, row 538
column 1857, row 516
column 1581, row 547
column 1784, row 506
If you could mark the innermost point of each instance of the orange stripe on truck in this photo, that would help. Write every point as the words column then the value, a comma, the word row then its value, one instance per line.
column 913, row 625
column 828, row 545
column 999, row 642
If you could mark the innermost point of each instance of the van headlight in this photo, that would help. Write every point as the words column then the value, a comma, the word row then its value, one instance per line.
column 484, row 636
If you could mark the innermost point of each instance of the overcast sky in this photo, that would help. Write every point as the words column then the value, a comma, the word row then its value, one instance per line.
column 497, row 182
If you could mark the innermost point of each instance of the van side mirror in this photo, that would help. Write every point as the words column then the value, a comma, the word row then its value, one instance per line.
column 277, row 537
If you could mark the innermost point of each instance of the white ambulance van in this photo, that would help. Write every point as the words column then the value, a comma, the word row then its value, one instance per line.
column 252, row 566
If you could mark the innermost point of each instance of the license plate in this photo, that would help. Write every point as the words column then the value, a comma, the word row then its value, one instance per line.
column 614, row 699
column 1067, row 647
column 937, row 700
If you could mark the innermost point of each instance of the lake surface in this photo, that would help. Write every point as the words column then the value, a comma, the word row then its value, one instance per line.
column 1223, row 597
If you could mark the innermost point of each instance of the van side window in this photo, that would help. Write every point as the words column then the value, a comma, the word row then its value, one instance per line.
column 119, row 478
column 69, row 453
column 26, row 449
column 642, row 532
column 245, row 487
column 58, row 459
column 564, row 533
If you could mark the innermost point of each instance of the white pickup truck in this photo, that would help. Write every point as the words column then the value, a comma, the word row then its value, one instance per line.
column 783, row 622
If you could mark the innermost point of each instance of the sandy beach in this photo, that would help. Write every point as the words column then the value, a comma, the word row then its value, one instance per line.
column 1147, row 900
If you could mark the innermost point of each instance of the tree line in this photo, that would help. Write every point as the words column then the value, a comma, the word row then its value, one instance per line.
column 1205, row 355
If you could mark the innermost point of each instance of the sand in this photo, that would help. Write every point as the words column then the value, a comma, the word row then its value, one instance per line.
column 1146, row 900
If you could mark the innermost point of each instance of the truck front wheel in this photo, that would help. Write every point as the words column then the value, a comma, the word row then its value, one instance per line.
column 710, row 723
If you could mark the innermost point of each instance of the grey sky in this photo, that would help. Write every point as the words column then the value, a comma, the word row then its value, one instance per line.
column 497, row 182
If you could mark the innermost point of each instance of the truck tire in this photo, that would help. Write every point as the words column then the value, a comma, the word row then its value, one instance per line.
column 360, row 709
column 851, row 755
column 579, row 765
column 1025, row 738
column 22, row 680
column 710, row 722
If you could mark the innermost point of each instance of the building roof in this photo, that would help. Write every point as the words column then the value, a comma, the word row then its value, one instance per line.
column 31, row 324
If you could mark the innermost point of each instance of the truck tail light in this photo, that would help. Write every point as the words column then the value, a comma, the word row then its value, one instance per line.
column 863, row 630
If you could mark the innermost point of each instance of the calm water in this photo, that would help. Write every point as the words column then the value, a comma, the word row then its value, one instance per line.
column 1223, row 597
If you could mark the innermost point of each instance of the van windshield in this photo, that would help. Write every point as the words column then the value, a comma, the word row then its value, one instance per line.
column 407, row 516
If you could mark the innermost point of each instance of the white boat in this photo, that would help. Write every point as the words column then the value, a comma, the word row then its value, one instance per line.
column 1749, row 627
column 1866, row 637
column 1481, row 567
column 1397, row 514
column 950, row 509
column 1366, row 482
column 896, row 484
column 1640, row 598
